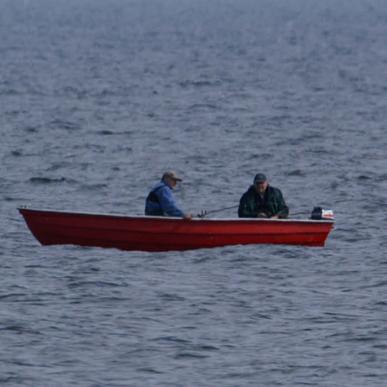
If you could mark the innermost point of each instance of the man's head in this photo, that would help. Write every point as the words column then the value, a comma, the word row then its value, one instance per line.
column 170, row 178
column 260, row 182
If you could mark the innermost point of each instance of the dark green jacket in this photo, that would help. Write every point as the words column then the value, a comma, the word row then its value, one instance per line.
column 272, row 204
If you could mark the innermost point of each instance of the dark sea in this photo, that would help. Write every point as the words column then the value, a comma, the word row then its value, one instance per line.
column 99, row 97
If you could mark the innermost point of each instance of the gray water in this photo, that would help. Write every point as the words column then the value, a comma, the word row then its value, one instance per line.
column 98, row 98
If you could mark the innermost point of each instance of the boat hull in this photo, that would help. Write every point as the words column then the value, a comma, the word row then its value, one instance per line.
column 145, row 233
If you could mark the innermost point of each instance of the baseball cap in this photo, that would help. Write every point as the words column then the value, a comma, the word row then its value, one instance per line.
column 259, row 178
column 172, row 175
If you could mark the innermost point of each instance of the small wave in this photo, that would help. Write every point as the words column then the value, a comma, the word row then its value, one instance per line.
column 9, row 92
column 172, row 339
column 171, row 297
column 149, row 370
column 105, row 132
column 19, row 329
column 296, row 172
column 10, row 379
column 46, row 180
column 12, row 296
column 31, row 129
column 61, row 124
column 77, row 284
column 381, row 178
column 187, row 83
column 93, row 187
column 363, row 177
column 380, row 284
column 206, row 347
column 199, row 106
column 9, row 199
column 190, row 355
column 318, row 150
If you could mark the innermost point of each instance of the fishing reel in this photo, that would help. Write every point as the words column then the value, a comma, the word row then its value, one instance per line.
column 202, row 214
column 319, row 213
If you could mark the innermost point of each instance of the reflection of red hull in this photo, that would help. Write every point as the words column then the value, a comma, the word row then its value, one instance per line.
column 163, row 233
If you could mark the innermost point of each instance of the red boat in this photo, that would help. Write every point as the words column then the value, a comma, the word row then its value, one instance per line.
column 148, row 233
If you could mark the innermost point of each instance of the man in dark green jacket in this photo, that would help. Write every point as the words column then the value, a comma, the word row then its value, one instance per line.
column 262, row 201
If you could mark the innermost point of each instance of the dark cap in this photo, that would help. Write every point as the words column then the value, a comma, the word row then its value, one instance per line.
column 259, row 178
column 172, row 175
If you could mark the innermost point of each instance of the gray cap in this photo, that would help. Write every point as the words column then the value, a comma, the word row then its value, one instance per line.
column 259, row 178
column 172, row 175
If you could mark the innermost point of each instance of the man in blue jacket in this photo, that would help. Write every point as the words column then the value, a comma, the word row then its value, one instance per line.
column 161, row 202
column 262, row 200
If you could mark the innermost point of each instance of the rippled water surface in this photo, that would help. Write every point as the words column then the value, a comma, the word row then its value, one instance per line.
column 98, row 98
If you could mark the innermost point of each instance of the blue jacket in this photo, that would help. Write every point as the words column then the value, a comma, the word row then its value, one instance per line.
column 161, row 202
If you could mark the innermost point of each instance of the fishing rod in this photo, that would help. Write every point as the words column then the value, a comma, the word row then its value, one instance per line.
column 205, row 213
column 317, row 212
column 300, row 213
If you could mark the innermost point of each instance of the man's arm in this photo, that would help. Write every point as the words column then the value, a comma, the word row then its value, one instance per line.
column 168, row 203
column 283, row 209
column 244, row 209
